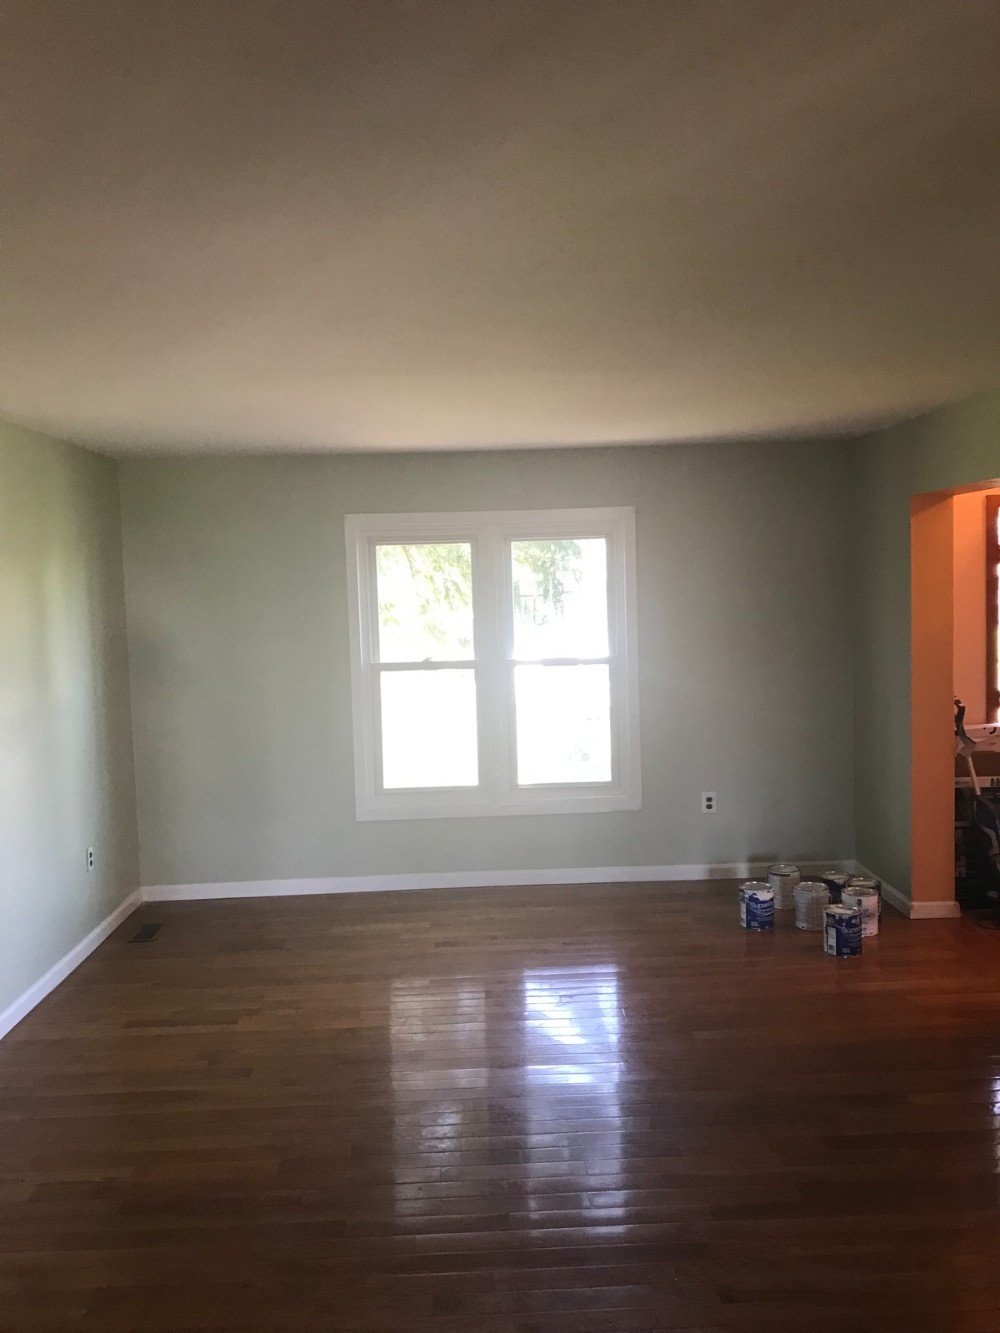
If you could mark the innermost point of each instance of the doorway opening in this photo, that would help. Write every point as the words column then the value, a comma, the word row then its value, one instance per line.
column 954, row 654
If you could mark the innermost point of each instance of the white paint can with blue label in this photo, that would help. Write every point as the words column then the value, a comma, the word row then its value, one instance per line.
column 842, row 932
column 756, row 906
column 863, row 897
column 863, row 882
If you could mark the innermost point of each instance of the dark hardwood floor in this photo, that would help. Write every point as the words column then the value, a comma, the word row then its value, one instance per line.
column 531, row 1110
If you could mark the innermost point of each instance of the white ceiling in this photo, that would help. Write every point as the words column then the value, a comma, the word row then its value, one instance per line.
column 372, row 224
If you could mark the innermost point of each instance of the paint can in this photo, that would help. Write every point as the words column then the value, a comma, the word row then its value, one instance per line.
column 836, row 881
column 863, row 898
column 842, row 932
column 783, row 878
column 864, row 882
column 756, row 906
column 811, row 900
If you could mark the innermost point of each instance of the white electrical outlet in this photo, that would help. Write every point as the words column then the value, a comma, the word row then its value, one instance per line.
column 709, row 803
column 90, row 859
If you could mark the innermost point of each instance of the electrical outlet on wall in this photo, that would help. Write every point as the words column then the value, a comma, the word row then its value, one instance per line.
column 709, row 803
column 90, row 859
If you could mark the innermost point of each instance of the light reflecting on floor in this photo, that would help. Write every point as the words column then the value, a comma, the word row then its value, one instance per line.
column 572, row 1034
column 507, row 1089
column 572, row 1011
column 439, row 1080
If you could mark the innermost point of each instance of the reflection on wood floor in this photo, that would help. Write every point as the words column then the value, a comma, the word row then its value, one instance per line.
column 530, row 1110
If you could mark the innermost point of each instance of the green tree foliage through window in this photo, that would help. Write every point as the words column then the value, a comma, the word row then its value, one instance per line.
column 425, row 594
column 432, row 579
column 545, row 569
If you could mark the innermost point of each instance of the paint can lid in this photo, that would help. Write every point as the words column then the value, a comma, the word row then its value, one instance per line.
column 782, row 868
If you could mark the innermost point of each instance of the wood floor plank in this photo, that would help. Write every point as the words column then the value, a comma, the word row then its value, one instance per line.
column 536, row 1110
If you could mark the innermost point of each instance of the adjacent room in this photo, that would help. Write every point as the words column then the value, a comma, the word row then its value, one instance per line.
column 499, row 687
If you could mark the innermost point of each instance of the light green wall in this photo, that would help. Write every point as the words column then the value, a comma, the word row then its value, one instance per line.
column 954, row 446
column 240, row 674
column 66, row 773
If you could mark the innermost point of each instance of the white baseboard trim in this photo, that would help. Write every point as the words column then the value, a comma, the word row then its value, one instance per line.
column 34, row 995
column 467, row 879
column 902, row 902
column 934, row 910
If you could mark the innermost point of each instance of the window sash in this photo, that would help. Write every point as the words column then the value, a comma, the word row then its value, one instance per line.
column 390, row 668
column 490, row 536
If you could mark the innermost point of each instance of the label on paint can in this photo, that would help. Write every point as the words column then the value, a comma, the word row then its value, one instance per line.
column 756, row 907
column 863, row 898
column 783, row 879
column 842, row 932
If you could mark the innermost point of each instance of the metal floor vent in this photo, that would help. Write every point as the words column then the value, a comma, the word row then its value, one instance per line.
column 146, row 933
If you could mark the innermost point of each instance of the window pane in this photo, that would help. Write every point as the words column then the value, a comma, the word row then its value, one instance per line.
column 560, row 598
column 424, row 602
column 429, row 729
column 563, row 724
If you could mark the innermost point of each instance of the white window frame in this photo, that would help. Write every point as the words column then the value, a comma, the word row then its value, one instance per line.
column 490, row 535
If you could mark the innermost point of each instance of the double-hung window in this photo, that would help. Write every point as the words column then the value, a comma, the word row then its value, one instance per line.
column 493, row 663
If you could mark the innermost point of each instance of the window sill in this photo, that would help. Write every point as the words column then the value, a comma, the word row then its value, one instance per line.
column 409, row 807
